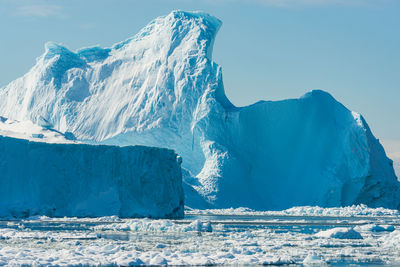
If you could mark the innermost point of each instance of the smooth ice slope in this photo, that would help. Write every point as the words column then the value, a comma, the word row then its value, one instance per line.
column 161, row 88
column 88, row 180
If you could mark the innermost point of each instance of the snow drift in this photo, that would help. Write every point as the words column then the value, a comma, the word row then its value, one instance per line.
column 161, row 88
column 88, row 180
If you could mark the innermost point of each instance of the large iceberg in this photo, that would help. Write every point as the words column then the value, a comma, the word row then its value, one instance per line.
column 38, row 178
column 161, row 88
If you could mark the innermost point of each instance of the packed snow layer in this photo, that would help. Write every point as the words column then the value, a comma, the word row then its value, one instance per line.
column 88, row 180
column 161, row 88
column 33, row 132
column 340, row 233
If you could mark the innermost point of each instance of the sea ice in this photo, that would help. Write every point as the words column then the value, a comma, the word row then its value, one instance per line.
column 314, row 260
column 375, row 228
column 235, row 240
column 310, row 211
column 340, row 233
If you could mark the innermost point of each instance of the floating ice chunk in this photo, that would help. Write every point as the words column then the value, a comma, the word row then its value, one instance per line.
column 199, row 226
column 314, row 260
column 148, row 225
column 392, row 239
column 158, row 261
column 340, row 233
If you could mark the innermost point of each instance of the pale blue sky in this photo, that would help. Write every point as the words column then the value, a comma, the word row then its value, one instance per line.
column 268, row 49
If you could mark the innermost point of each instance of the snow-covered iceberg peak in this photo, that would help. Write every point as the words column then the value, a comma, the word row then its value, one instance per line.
column 161, row 88
column 153, row 78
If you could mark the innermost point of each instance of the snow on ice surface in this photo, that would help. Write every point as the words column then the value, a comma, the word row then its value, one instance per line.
column 340, row 233
column 30, row 131
column 202, row 240
column 38, row 178
column 161, row 88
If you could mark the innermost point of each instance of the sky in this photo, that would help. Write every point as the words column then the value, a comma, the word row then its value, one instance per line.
column 268, row 49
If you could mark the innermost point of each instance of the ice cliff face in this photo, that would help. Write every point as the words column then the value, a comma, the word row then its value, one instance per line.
column 88, row 180
column 161, row 88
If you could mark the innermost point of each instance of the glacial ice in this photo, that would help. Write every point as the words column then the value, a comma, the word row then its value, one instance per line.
column 38, row 178
column 161, row 88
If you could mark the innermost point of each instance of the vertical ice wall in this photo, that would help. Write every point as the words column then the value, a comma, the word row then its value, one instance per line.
column 88, row 180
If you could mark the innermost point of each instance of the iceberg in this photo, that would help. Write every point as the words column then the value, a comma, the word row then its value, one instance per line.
column 81, row 180
column 161, row 88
